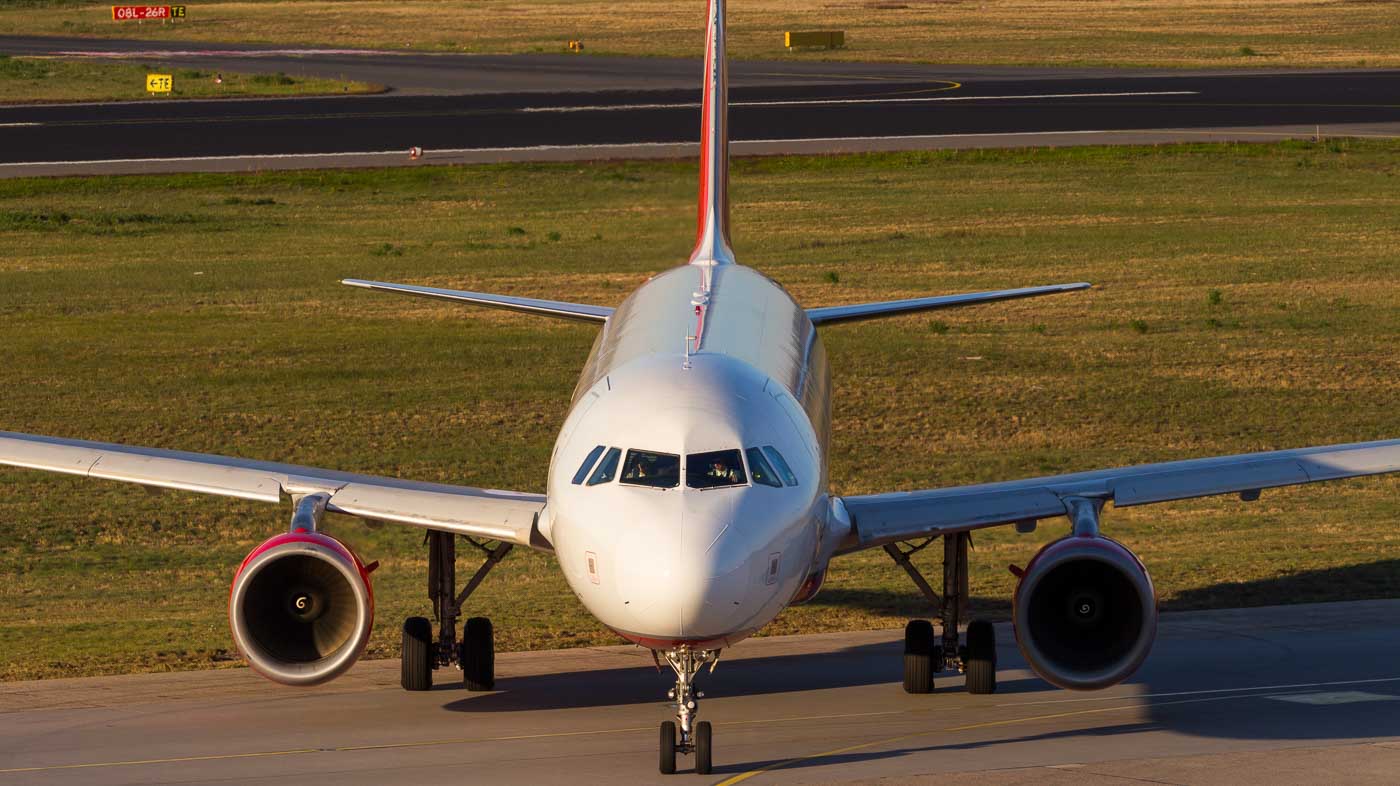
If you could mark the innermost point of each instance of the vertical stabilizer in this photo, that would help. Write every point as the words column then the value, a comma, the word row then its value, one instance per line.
column 712, row 232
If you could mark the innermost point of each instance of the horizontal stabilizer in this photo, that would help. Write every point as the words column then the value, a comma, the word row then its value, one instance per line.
column 524, row 305
column 891, row 308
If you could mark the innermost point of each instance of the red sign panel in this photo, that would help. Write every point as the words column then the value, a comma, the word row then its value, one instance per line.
column 122, row 13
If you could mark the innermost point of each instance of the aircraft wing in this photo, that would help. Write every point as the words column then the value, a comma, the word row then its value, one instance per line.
column 485, row 513
column 828, row 315
column 578, row 312
column 886, row 518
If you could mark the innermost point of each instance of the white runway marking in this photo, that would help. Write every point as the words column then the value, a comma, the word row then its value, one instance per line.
column 352, row 154
column 19, row 125
column 431, row 153
column 518, row 149
column 1336, row 697
column 836, row 101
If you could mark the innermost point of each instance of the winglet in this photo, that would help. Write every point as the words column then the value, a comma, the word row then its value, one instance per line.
column 712, row 231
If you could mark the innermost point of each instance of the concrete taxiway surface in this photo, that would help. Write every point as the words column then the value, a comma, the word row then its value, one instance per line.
column 462, row 109
column 350, row 131
column 1260, row 696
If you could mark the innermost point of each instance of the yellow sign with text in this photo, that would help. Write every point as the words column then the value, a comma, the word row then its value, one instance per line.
column 159, row 83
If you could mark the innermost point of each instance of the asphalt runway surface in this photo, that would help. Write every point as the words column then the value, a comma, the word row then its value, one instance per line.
column 1271, row 696
column 619, row 107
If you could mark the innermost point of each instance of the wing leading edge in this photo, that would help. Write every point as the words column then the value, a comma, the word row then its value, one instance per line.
column 525, row 305
column 891, row 308
column 486, row 513
column 887, row 518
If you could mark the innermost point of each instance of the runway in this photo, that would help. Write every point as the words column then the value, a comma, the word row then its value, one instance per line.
column 1259, row 696
column 637, row 108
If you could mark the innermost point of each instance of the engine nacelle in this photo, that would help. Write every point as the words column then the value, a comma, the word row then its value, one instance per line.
column 301, row 608
column 1085, row 613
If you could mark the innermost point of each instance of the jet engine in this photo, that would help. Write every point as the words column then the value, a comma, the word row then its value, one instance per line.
column 301, row 608
column 1085, row 613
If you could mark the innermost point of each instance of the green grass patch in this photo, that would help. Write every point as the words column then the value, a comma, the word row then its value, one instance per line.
column 30, row 80
column 201, row 312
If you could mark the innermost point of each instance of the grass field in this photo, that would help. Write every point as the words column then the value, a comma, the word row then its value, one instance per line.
column 1170, row 33
column 1247, row 297
column 31, row 80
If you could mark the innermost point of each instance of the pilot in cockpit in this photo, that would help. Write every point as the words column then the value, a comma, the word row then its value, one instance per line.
column 721, row 472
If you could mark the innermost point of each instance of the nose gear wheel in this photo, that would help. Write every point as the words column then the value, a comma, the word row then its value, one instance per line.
column 685, row 735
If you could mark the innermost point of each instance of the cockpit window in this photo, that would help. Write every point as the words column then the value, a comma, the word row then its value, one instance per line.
column 657, row 470
column 607, row 468
column 761, row 471
column 714, row 469
column 587, row 464
column 783, row 468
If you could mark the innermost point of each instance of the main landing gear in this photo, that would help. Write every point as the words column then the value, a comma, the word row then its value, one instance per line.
column 694, row 736
column 924, row 653
column 476, row 654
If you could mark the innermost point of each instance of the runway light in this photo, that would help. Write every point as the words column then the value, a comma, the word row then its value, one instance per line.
column 415, row 153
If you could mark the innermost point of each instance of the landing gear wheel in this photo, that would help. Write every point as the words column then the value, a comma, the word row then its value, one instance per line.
column 919, row 649
column 980, row 664
column 416, row 654
column 668, row 747
column 477, row 654
column 702, row 748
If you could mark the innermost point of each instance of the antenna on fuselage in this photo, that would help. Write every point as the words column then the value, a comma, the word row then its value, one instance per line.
column 712, row 232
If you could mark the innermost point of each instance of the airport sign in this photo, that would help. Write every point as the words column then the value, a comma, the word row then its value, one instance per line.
column 159, row 83
column 124, row 13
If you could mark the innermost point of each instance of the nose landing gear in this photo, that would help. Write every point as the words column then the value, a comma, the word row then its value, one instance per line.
column 694, row 736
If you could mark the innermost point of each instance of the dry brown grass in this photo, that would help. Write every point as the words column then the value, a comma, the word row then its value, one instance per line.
column 108, row 335
column 1170, row 33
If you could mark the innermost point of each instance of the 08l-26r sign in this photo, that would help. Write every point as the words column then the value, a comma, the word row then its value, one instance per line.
column 122, row 13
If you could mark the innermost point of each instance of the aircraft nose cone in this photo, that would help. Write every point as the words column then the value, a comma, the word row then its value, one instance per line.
column 685, row 582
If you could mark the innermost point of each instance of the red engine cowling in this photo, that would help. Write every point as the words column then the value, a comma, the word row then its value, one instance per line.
column 301, row 608
column 1085, row 613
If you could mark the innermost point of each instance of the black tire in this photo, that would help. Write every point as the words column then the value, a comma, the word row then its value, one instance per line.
column 980, row 664
column 668, row 747
column 703, row 762
column 919, row 645
column 477, row 655
column 416, row 654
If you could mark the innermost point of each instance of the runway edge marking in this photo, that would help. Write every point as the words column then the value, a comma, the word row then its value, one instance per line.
column 835, row 101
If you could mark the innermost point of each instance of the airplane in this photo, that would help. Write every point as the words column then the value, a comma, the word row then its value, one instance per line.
column 687, row 498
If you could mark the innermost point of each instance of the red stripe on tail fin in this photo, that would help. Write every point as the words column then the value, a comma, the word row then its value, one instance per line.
column 712, row 225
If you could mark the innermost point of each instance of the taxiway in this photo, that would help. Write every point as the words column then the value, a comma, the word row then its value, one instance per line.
column 1239, row 697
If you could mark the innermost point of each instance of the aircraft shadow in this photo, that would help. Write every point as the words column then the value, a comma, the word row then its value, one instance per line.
column 857, row 757
column 863, row 665
column 1371, row 581
column 1205, row 678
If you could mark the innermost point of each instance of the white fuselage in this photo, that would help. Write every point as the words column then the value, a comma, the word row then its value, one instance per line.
column 680, row 564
